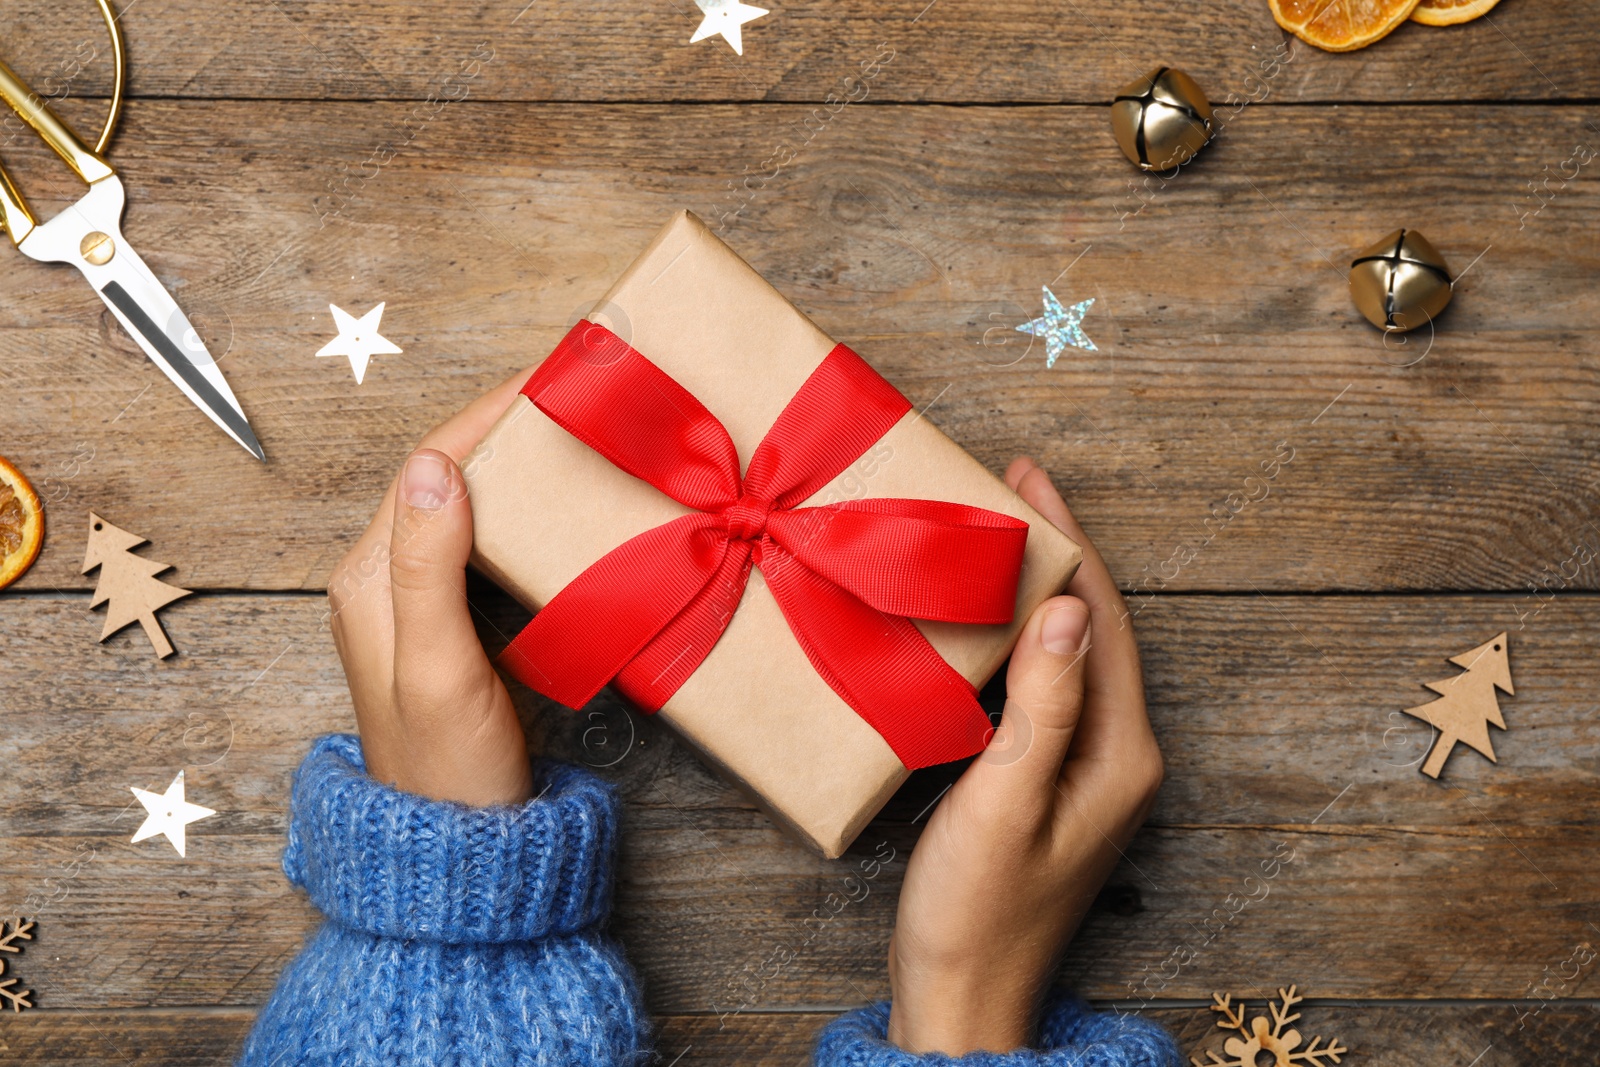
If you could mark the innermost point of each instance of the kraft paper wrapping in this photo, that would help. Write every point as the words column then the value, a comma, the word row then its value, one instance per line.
column 545, row 506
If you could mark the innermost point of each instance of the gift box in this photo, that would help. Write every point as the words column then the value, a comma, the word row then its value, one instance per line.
column 814, row 623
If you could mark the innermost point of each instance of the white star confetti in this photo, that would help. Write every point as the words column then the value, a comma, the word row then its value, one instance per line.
column 358, row 338
column 1059, row 327
column 168, row 814
column 725, row 17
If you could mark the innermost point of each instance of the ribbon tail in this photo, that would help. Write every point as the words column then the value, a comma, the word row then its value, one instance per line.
column 591, row 629
column 880, row 665
column 662, row 666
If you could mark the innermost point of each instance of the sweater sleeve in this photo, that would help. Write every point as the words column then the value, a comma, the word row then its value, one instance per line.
column 396, row 864
column 457, row 934
column 1070, row 1035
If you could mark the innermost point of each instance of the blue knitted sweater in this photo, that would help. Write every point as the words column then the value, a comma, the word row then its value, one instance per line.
column 474, row 936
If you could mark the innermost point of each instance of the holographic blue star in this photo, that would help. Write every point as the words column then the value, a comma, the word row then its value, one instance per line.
column 1059, row 327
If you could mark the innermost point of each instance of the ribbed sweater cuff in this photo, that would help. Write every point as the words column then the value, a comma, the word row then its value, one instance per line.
column 1070, row 1035
column 399, row 865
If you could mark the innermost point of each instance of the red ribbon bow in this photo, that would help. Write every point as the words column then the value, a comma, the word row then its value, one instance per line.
column 849, row 577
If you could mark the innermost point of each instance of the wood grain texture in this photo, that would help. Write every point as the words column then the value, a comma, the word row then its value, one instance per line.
column 488, row 168
column 946, row 51
column 920, row 235
column 1279, row 717
column 707, row 913
column 1395, row 1035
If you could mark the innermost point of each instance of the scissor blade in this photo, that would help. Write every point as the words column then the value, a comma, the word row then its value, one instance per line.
column 140, row 302
column 191, row 377
column 153, row 318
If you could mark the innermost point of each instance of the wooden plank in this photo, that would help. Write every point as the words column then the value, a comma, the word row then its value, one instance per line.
column 1402, row 1035
column 1272, row 713
column 952, row 51
column 1365, row 910
column 1243, row 694
column 705, row 911
column 920, row 235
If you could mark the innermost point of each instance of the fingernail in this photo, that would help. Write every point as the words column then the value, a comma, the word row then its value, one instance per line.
column 1065, row 629
column 426, row 482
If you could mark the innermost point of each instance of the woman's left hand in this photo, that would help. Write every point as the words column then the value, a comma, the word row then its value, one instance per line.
column 434, row 717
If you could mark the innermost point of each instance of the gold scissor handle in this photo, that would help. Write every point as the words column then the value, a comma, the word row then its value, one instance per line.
column 14, row 212
column 15, row 215
column 57, row 134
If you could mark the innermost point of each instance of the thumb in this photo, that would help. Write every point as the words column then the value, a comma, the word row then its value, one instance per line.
column 437, row 656
column 1044, row 696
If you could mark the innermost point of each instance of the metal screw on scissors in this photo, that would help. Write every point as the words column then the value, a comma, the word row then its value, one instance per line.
column 88, row 235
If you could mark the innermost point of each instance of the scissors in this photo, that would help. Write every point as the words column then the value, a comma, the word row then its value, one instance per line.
column 88, row 235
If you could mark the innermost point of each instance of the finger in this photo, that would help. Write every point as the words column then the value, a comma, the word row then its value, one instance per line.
column 456, row 437
column 1115, row 719
column 1044, row 697
column 1114, row 660
column 437, row 657
column 460, row 434
column 1033, row 484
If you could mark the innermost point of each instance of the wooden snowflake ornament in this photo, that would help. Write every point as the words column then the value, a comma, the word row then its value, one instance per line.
column 1467, row 703
column 20, row 931
column 1261, row 1043
column 128, row 582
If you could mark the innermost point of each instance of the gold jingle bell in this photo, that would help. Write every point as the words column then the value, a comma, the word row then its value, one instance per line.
column 1400, row 282
column 1161, row 120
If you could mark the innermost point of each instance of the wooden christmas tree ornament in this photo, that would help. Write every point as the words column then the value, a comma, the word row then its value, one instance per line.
column 128, row 582
column 1467, row 703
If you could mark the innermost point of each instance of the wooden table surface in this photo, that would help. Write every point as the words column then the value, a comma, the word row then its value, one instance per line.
column 487, row 169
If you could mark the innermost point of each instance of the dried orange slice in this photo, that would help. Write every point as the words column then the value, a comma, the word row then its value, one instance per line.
column 21, row 523
column 1341, row 25
column 1450, row 12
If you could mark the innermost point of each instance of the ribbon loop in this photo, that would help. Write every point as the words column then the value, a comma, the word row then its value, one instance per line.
column 848, row 577
column 587, row 633
column 884, row 552
column 597, row 388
